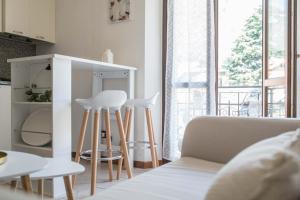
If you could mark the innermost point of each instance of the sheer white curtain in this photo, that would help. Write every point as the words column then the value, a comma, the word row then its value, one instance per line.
column 190, row 70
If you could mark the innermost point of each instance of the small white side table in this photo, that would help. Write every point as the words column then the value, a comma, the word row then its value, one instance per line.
column 57, row 167
column 21, row 164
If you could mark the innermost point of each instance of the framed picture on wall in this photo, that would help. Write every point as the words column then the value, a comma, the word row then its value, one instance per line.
column 119, row 10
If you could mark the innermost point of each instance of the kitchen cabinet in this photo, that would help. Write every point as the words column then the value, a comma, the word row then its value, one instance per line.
column 16, row 17
column 29, row 18
column 5, row 117
column 41, row 20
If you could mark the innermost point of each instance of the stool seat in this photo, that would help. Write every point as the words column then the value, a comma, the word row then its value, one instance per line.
column 108, row 99
column 142, row 103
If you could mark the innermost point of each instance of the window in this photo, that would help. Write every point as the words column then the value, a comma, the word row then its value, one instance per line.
column 228, row 58
column 240, row 58
column 190, row 62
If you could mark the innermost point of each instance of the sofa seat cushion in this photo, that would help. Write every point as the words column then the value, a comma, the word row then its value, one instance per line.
column 187, row 178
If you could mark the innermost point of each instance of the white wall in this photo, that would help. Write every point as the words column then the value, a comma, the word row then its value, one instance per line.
column 153, row 61
column 83, row 30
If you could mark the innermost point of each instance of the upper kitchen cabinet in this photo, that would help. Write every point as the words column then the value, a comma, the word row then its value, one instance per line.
column 42, row 20
column 29, row 18
column 16, row 17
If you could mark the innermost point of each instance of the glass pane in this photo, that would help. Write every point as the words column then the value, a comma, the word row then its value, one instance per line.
column 277, row 38
column 189, row 103
column 240, row 58
column 276, row 101
column 190, row 41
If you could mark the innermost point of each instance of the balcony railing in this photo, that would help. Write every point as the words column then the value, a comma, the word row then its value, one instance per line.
column 246, row 101
column 239, row 101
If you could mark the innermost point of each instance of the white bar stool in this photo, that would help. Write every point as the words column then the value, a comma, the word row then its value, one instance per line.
column 147, row 104
column 105, row 100
column 56, row 167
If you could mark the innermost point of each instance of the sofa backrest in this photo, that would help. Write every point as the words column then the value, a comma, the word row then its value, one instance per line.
column 219, row 139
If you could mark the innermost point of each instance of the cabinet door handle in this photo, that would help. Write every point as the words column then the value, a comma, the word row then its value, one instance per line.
column 18, row 32
column 40, row 37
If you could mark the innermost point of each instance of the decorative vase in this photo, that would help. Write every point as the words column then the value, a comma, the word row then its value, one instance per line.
column 108, row 56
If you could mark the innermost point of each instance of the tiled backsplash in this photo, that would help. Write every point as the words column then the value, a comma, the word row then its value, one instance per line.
column 13, row 49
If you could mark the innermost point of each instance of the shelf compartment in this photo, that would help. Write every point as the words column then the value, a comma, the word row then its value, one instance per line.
column 32, row 103
column 29, row 88
column 23, row 145
column 42, row 151
column 38, row 132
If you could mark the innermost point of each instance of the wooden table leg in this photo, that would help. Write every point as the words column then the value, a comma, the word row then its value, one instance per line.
column 41, row 187
column 68, row 187
column 13, row 185
column 81, row 140
column 26, row 183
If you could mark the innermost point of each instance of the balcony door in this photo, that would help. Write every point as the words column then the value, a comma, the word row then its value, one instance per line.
column 277, row 58
column 255, row 58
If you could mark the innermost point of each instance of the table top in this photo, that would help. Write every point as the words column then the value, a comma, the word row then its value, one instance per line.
column 79, row 63
column 57, row 167
column 20, row 164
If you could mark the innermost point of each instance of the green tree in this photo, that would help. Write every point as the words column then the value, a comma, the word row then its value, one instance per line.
column 244, row 66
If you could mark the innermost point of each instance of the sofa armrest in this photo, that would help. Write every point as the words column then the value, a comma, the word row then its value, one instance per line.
column 219, row 139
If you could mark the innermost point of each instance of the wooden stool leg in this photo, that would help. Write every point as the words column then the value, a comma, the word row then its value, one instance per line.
column 81, row 140
column 127, row 126
column 13, row 185
column 123, row 143
column 41, row 188
column 68, row 188
column 150, row 135
column 155, row 148
column 108, row 142
column 95, row 152
column 126, row 120
column 119, row 169
column 128, row 129
column 26, row 183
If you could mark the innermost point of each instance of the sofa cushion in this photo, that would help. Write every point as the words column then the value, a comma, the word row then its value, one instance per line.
column 187, row 178
column 289, row 140
column 268, row 170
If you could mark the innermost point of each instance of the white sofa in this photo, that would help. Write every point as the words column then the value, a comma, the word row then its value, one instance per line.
column 209, row 143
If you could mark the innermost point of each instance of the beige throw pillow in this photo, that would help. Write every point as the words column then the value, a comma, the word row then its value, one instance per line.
column 268, row 170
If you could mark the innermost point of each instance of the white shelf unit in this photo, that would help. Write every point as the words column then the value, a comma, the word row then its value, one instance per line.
column 58, row 80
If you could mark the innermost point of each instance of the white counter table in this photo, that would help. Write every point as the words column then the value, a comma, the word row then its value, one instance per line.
column 68, row 78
